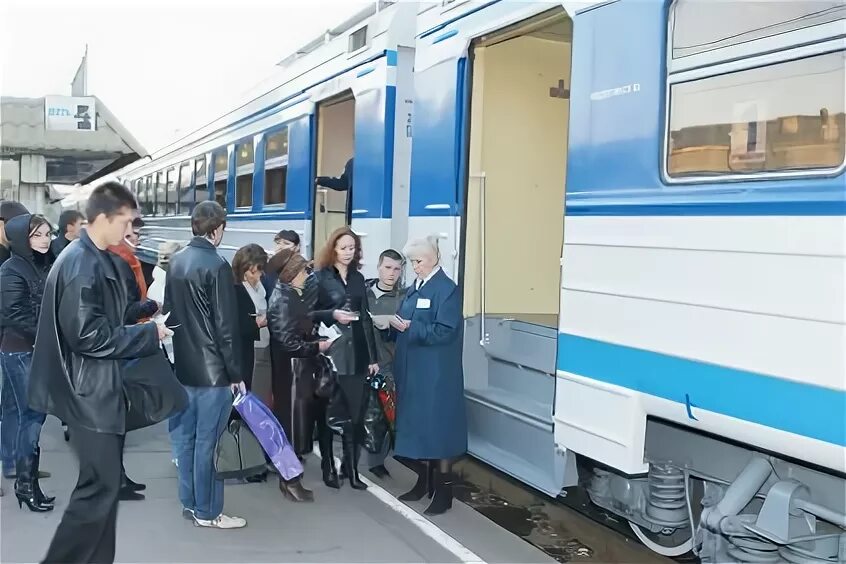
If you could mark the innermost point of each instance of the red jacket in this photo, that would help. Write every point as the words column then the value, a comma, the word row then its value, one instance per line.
column 127, row 254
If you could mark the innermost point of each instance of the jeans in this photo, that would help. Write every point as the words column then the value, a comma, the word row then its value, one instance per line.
column 22, row 443
column 9, row 428
column 194, row 433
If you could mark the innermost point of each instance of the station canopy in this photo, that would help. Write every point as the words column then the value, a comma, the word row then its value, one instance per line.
column 80, row 139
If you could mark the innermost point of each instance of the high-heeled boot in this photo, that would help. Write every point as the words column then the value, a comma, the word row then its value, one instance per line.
column 294, row 490
column 48, row 499
column 350, row 461
column 327, row 459
column 442, row 500
column 25, row 489
column 424, row 484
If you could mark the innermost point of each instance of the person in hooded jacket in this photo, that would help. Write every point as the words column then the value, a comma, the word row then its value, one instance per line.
column 8, row 211
column 22, row 279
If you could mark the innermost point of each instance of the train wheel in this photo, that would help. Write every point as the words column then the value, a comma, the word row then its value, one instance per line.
column 665, row 545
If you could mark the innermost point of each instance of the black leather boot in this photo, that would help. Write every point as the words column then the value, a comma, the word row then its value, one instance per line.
column 25, row 488
column 295, row 491
column 350, row 461
column 442, row 500
column 37, row 474
column 327, row 459
column 424, row 484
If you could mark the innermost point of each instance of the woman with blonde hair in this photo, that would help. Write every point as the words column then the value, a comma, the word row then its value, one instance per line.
column 429, row 376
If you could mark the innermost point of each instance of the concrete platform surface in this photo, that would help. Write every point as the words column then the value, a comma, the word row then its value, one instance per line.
column 341, row 526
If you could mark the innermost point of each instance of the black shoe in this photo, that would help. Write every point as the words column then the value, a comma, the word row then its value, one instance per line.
column 26, row 490
column 350, row 462
column 258, row 478
column 380, row 472
column 442, row 500
column 127, row 494
column 37, row 462
column 295, row 491
column 423, row 486
column 132, row 485
column 327, row 461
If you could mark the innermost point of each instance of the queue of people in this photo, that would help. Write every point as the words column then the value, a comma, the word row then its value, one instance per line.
column 93, row 317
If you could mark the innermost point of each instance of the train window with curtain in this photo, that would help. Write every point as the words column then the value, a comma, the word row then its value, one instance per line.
column 172, row 194
column 201, row 189
column 221, row 172
column 244, row 166
column 783, row 117
column 161, row 195
column 276, row 168
column 705, row 25
column 138, row 190
column 186, row 191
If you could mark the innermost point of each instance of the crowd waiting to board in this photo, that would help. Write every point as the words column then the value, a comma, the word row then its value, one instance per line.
column 79, row 312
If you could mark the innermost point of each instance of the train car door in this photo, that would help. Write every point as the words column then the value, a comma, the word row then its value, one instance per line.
column 335, row 147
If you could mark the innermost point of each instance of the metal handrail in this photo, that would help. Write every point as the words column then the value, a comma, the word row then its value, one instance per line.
column 483, row 337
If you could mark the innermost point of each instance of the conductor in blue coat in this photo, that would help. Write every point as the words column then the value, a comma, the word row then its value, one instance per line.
column 431, row 424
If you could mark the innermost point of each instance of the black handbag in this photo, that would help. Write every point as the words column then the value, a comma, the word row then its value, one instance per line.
column 376, row 429
column 325, row 377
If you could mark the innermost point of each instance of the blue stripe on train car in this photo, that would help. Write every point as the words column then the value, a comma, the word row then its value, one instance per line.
column 804, row 409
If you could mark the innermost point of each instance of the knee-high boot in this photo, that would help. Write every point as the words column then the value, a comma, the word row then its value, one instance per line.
column 327, row 457
column 352, row 451
column 442, row 500
column 37, row 486
column 25, row 486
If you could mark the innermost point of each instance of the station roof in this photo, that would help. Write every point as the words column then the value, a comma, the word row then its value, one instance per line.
column 72, row 157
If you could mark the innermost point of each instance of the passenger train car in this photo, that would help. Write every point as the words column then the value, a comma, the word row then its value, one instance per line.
column 644, row 204
column 348, row 93
column 684, row 357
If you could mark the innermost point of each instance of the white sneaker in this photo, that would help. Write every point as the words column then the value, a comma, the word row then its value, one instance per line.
column 222, row 522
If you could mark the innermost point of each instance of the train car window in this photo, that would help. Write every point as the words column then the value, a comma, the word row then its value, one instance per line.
column 186, row 190
column 221, row 168
column 276, row 168
column 150, row 200
column 783, row 117
column 201, row 189
column 161, row 195
column 244, row 185
column 172, row 195
column 140, row 194
column 358, row 39
column 706, row 25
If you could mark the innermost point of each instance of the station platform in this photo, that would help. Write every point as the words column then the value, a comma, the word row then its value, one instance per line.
column 340, row 526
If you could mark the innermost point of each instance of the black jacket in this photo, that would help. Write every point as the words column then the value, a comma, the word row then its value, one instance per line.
column 82, row 345
column 341, row 184
column 333, row 294
column 58, row 245
column 291, row 329
column 200, row 295
column 22, row 280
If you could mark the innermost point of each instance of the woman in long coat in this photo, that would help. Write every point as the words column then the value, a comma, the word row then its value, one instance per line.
column 431, row 423
column 292, row 346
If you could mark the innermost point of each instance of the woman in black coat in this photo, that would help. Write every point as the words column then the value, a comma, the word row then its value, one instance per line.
column 342, row 302
column 248, row 266
column 292, row 348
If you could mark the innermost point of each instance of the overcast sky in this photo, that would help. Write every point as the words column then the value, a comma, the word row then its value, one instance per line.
column 159, row 65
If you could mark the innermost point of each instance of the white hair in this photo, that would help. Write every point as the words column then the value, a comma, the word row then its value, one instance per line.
column 427, row 245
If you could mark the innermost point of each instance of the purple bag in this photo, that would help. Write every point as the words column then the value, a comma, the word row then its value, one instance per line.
column 270, row 435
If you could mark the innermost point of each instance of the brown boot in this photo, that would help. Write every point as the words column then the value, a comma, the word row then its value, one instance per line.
column 294, row 490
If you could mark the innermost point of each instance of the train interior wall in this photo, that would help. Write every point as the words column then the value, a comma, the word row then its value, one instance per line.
column 335, row 145
column 519, row 115
column 518, row 138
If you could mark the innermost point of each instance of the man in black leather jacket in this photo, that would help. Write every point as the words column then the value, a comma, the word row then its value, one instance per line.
column 200, row 296
column 77, row 371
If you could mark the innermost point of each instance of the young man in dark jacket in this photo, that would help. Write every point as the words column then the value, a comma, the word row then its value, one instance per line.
column 200, row 296
column 81, row 350
column 385, row 295
column 70, row 225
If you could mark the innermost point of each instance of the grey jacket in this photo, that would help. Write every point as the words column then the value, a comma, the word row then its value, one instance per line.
column 386, row 304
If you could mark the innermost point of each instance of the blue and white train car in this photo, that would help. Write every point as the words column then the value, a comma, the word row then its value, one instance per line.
column 686, row 358
column 346, row 94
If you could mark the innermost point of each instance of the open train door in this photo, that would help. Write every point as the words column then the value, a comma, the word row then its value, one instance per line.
column 335, row 146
